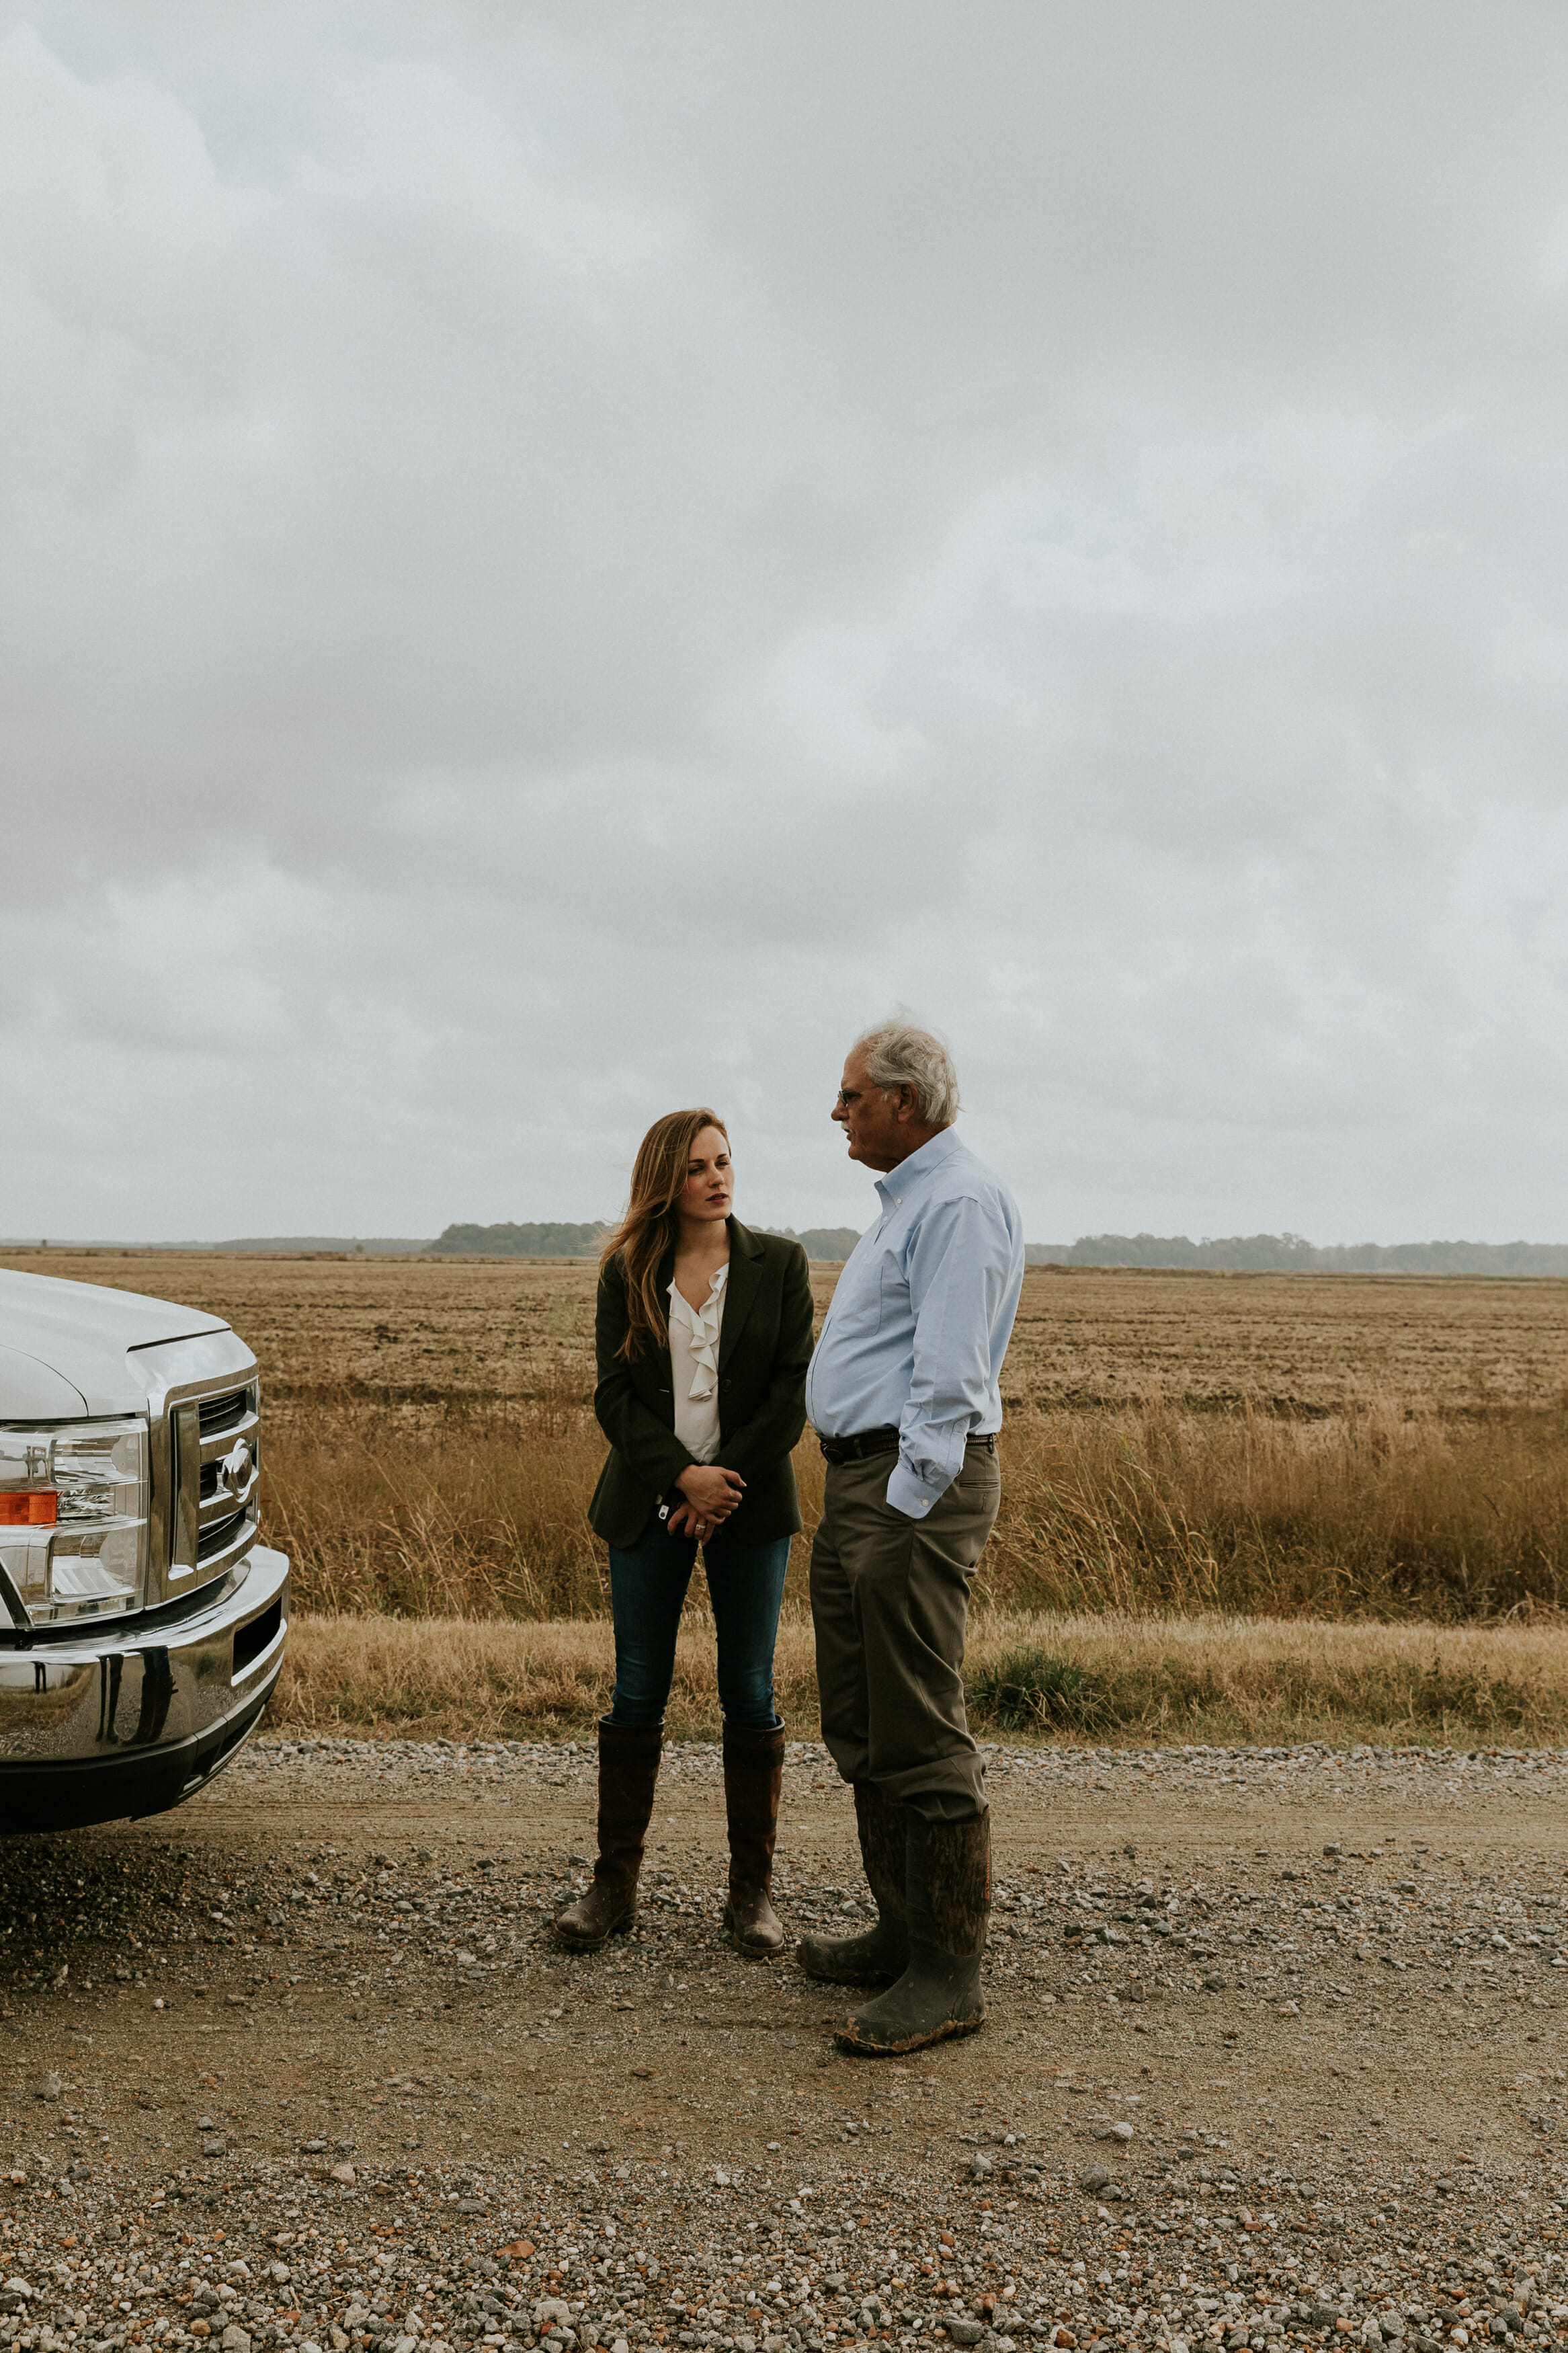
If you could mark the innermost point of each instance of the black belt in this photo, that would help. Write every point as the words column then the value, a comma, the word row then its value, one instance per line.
column 885, row 1441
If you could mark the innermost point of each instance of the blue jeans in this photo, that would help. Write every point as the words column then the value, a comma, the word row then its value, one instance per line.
column 648, row 1591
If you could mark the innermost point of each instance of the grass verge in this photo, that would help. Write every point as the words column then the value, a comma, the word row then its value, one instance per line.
column 1077, row 1677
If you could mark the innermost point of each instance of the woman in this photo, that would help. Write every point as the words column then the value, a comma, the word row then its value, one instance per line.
column 703, row 1333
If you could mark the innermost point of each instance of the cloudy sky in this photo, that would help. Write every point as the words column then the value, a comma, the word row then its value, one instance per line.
column 558, row 560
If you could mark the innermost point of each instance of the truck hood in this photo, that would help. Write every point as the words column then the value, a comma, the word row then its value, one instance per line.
column 85, row 1334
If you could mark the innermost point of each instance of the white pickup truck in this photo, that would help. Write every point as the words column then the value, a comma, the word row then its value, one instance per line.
column 141, row 1623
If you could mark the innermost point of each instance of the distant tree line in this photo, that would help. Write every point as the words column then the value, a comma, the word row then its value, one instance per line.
column 1243, row 1253
column 520, row 1241
column 1287, row 1253
column 585, row 1241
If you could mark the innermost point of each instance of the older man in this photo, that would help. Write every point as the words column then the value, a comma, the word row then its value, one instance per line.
column 904, row 1395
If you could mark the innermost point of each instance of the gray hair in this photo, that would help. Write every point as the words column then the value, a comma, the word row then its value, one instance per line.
column 897, row 1054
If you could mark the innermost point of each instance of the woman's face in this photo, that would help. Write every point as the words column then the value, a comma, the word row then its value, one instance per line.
column 709, row 1180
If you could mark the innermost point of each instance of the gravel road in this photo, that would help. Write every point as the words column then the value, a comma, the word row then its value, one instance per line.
column 1275, row 2052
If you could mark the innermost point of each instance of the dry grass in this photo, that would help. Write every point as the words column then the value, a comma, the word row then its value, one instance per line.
column 1376, row 1515
column 1237, row 1507
column 1274, row 1445
column 1110, row 1680
column 463, row 1514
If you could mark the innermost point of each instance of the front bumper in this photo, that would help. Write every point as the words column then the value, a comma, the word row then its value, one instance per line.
column 97, row 1731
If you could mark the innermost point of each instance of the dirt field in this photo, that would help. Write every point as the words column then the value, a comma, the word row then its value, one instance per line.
column 419, row 1331
column 1341, row 2073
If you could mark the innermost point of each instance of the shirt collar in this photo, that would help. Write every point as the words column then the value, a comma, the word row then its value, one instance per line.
column 918, row 1167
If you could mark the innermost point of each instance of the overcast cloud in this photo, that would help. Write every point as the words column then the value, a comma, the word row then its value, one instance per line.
column 556, row 561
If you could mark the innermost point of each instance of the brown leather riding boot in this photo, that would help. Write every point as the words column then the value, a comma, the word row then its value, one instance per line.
column 628, row 1769
column 754, row 1781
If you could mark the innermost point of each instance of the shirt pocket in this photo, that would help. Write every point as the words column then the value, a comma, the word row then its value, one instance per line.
column 858, row 1315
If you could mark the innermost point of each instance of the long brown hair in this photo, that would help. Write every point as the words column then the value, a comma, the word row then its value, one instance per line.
column 647, row 1230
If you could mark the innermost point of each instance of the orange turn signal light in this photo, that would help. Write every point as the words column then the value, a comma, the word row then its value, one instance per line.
column 30, row 1507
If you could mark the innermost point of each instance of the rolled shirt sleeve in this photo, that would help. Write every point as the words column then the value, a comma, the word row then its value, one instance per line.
column 960, row 1271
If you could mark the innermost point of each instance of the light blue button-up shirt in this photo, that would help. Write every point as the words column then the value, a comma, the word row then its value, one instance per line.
column 921, row 1318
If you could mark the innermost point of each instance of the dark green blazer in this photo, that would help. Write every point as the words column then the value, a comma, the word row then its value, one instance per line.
column 764, row 1350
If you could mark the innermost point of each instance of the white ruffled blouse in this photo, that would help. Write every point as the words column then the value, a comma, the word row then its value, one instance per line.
column 694, row 1358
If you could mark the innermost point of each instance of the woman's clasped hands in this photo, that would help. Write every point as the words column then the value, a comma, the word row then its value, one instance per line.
column 712, row 1495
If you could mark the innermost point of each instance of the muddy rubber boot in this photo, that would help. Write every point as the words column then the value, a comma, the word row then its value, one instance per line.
column 879, row 1955
column 628, row 1769
column 753, row 1782
column 948, row 1897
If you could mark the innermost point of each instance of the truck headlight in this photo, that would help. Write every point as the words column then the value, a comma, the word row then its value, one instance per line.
column 73, row 1519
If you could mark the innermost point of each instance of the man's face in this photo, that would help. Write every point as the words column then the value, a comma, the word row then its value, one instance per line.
column 876, row 1135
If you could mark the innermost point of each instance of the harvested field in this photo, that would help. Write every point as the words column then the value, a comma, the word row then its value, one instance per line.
column 416, row 1332
column 1318, row 1446
column 425, row 1332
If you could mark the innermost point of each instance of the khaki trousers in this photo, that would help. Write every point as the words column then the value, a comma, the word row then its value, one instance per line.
column 889, row 1602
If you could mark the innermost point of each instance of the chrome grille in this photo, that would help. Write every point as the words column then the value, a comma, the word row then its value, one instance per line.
column 205, row 1406
column 215, row 1479
column 225, row 1412
column 220, row 1534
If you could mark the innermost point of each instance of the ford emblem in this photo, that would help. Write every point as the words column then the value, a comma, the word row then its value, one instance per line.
column 234, row 1469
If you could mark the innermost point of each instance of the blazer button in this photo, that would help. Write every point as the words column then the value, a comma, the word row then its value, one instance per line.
column 723, row 1384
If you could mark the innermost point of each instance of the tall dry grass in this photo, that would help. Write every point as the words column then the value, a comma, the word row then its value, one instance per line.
column 451, row 1510
column 1382, row 1513
column 1101, row 1679
column 456, row 1512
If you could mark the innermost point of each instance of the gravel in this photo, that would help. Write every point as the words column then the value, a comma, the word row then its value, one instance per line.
column 299, row 2066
